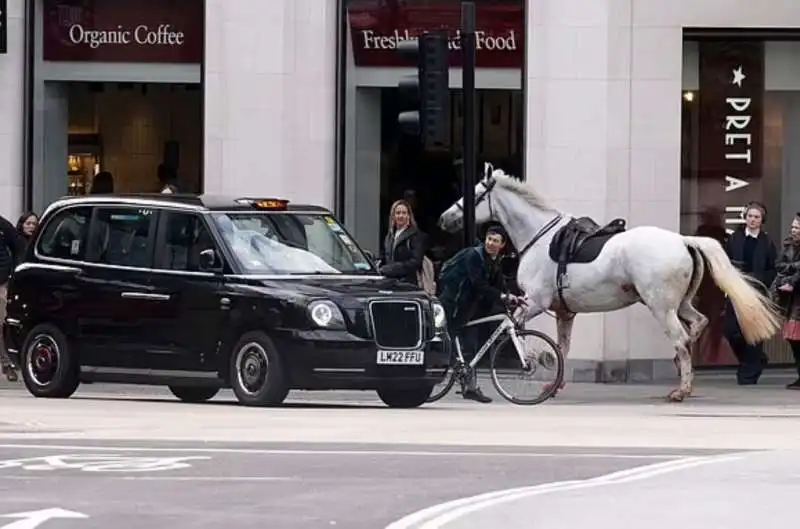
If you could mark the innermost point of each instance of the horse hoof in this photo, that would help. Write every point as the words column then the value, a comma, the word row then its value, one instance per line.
column 676, row 396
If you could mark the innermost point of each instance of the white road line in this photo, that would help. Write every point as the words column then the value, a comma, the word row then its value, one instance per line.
column 350, row 452
column 439, row 516
column 204, row 478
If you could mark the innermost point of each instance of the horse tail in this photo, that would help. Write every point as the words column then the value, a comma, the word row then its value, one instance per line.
column 757, row 314
column 697, row 273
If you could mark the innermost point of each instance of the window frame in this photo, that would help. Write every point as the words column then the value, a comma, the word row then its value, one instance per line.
column 92, row 253
column 43, row 230
column 160, row 241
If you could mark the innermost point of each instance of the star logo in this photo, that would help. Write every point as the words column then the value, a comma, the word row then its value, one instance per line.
column 738, row 77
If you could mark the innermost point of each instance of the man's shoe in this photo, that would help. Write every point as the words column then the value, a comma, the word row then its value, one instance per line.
column 476, row 395
column 794, row 385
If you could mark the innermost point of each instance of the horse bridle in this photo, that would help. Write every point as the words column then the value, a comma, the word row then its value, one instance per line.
column 486, row 194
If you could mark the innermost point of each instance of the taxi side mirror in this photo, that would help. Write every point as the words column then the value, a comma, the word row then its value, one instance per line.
column 209, row 262
column 369, row 255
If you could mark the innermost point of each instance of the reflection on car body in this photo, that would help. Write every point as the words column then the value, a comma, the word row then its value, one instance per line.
column 200, row 293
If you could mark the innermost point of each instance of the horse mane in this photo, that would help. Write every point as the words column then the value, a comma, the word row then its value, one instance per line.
column 521, row 189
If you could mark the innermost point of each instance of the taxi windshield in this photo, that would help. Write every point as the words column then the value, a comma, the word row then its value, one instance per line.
column 290, row 243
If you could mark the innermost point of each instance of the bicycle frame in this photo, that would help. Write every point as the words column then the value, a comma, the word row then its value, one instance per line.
column 507, row 325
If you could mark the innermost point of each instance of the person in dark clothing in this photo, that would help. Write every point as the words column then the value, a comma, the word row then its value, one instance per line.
column 102, row 184
column 752, row 251
column 785, row 289
column 472, row 286
column 403, row 247
column 12, row 249
column 26, row 225
column 167, row 178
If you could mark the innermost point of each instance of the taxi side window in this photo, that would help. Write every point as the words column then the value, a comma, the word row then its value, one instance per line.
column 66, row 234
column 122, row 236
column 181, row 238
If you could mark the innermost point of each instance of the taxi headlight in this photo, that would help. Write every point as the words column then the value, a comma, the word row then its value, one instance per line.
column 326, row 314
column 439, row 318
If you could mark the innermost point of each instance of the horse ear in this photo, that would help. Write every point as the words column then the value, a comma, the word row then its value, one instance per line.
column 487, row 170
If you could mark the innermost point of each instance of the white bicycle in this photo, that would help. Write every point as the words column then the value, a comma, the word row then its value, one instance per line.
column 511, row 349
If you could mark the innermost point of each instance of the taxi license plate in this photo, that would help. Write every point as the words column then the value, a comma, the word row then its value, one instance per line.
column 401, row 358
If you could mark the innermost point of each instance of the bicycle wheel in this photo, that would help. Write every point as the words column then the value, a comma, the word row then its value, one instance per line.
column 542, row 357
column 443, row 388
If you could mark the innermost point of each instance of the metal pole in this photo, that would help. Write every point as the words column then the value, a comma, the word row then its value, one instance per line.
column 468, row 91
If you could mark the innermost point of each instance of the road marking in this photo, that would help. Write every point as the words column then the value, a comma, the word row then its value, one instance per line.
column 439, row 516
column 100, row 463
column 353, row 452
column 32, row 519
column 206, row 478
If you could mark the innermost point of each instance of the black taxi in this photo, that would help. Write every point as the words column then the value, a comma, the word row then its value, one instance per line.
column 204, row 292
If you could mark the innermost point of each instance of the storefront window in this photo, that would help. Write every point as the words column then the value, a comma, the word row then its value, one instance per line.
column 741, row 142
column 116, row 89
column 382, row 165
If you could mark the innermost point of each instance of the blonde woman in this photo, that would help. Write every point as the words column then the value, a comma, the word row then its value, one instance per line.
column 403, row 247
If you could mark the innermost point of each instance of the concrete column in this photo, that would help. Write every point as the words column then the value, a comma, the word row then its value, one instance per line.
column 596, row 117
column 270, row 98
column 12, row 116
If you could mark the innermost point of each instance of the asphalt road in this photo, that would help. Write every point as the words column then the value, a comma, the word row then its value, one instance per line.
column 179, row 485
column 132, row 457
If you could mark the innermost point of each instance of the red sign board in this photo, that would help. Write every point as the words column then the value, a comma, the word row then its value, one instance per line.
column 376, row 26
column 151, row 31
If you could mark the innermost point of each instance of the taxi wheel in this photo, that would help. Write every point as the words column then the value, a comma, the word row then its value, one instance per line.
column 194, row 394
column 406, row 397
column 48, row 368
column 257, row 375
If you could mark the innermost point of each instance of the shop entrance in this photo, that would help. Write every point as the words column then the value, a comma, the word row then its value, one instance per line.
column 435, row 179
column 128, row 130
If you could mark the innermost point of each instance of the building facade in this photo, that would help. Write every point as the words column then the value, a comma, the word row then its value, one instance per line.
column 644, row 109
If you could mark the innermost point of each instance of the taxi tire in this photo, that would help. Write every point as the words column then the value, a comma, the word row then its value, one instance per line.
column 276, row 387
column 67, row 377
column 194, row 394
column 405, row 398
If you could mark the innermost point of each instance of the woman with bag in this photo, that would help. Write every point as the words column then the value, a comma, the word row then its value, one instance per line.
column 785, row 290
column 402, row 254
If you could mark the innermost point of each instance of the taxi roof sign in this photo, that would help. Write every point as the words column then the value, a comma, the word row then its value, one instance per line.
column 273, row 204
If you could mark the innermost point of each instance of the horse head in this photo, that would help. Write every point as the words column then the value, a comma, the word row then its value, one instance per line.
column 452, row 219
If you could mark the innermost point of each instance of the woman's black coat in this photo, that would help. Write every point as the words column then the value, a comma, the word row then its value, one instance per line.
column 402, row 260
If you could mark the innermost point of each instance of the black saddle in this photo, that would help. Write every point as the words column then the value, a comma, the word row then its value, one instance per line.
column 580, row 241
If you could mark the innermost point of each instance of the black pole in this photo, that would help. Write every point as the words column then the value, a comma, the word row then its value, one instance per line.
column 468, row 91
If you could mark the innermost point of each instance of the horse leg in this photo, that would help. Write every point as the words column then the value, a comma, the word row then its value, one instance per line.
column 564, row 322
column 676, row 332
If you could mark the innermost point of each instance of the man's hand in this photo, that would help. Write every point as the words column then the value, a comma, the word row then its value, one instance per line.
column 786, row 288
column 514, row 301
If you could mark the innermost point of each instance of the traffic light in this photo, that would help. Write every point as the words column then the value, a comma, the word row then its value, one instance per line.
column 425, row 98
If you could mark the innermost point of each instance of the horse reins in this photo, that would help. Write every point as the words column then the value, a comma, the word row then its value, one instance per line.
column 486, row 194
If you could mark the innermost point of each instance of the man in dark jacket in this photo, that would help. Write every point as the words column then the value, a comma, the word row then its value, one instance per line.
column 472, row 287
column 752, row 251
column 12, row 248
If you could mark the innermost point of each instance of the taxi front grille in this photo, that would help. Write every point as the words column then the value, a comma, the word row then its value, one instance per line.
column 396, row 324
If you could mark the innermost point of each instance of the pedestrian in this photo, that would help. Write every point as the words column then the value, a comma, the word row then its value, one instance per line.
column 102, row 184
column 167, row 179
column 752, row 251
column 26, row 225
column 12, row 248
column 785, row 291
column 403, row 251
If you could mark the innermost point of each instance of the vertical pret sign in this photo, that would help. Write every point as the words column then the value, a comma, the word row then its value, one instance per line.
column 3, row 27
column 731, row 125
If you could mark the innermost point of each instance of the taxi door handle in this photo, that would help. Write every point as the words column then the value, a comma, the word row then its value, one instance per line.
column 145, row 295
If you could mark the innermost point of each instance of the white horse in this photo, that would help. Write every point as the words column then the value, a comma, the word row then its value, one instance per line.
column 656, row 267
